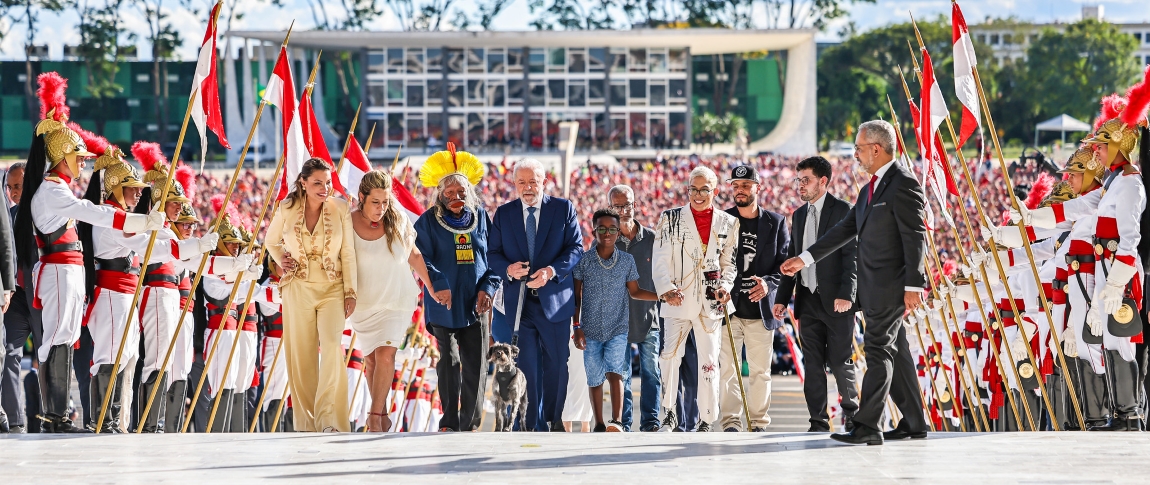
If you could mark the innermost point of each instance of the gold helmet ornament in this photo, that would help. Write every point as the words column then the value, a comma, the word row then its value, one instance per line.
column 1085, row 161
column 188, row 215
column 1119, row 132
column 62, row 143
column 117, row 174
column 450, row 162
column 151, row 158
column 231, row 225
column 1061, row 192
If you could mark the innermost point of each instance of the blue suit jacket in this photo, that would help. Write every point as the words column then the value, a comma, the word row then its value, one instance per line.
column 558, row 244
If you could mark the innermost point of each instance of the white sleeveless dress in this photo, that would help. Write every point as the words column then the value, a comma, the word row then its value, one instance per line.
column 387, row 290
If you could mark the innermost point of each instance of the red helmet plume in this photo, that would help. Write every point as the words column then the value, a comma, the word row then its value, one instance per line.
column 53, row 95
column 149, row 154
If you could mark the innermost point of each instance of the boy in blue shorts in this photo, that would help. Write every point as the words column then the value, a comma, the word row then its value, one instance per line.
column 604, row 279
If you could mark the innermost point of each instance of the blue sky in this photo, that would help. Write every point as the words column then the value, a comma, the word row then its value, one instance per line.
column 57, row 30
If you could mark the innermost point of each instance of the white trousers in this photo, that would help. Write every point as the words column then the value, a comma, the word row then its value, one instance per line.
column 276, row 381
column 244, row 363
column 107, row 316
column 1078, row 310
column 60, row 289
column 216, row 380
column 760, row 344
column 184, row 354
column 159, row 309
column 359, row 398
column 707, row 344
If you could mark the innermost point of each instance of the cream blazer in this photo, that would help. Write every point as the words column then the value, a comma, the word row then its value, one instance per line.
column 679, row 261
column 285, row 236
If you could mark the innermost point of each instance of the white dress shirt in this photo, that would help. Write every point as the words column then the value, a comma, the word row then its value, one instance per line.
column 806, row 255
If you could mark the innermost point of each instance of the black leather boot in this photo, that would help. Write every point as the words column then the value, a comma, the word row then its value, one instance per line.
column 266, row 417
column 222, row 421
column 1093, row 392
column 174, row 404
column 4, row 429
column 55, row 376
column 1126, row 387
column 151, row 422
column 99, row 389
column 239, row 413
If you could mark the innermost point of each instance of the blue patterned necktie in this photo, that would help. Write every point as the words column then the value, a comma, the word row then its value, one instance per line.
column 531, row 230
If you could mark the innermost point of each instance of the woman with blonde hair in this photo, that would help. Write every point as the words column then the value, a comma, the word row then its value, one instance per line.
column 311, row 238
column 386, row 255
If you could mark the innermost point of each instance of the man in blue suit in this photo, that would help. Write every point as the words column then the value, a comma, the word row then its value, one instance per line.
column 535, row 241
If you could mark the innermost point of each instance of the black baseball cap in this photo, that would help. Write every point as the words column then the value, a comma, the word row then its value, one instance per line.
column 744, row 172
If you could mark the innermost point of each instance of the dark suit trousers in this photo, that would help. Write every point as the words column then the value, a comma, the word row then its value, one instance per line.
column 687, row 404
column 459, row 374
column 826, row 340
column 890, row 370
column 18, row 325
column 543, row 354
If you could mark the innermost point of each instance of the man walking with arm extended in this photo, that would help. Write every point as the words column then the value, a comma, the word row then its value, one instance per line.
column 762, row 247
column 824, row 297
column 888, row 221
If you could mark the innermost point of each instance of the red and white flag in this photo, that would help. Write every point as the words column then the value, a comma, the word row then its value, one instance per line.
column 313, row 138
column 280, row 92
column 206, row 111
column 407, row 202
column 964, row 85
column 355, row 164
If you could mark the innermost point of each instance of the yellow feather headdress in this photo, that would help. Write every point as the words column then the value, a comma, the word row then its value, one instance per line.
column 444, row 163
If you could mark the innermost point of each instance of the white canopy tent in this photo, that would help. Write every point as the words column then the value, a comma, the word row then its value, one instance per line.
column 1061, row 123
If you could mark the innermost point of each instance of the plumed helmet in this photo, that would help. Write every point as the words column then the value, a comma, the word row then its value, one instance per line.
column 117, row 174
column 1121, row 133
column 155, row 164
column 448, row 162
column 1085, row 161
column 59, row 139
column 1061, row 192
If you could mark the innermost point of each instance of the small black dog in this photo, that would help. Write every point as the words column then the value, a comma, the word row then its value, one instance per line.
column 509, row 387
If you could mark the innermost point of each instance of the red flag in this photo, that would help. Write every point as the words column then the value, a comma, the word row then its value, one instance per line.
column 206, row 107
column 280, row 92
column 964, row 85
column 313, row 139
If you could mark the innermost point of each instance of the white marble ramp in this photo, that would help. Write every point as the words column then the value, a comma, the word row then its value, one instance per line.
column 547, row 458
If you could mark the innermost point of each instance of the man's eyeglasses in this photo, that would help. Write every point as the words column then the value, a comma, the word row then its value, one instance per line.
column 602, row 230
column 859, row 147
column 625, row 207
column 702, row 191
column 802, row 180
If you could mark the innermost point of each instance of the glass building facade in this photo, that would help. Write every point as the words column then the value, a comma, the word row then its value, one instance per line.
column 493, row 99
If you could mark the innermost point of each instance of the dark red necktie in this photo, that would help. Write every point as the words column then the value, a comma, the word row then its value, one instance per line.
column 873, row 181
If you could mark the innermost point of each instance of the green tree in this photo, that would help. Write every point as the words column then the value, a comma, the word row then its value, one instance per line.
column 30, row 17
column 100, row 48
column 165, row 40
column 1067, row 72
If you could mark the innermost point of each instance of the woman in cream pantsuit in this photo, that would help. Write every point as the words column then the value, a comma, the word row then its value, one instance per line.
column 311, row 238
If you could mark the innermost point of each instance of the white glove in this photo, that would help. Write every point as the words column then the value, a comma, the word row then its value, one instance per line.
column 965, row 293
column 1070, row 341
column 989, row 232
column 1009, row 236
column 1094, row 319
column 1019, row 212
column 254, row 272
column 1018, row 349
column 1120, row 274
column 244, row 260
column 141, row 223
column 977, row 258
column 209, row 242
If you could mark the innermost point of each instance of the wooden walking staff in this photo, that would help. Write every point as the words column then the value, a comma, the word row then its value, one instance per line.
column 215, row 227
column 1056, row 338
column 144, row 264
column 1057, row 341
column 972, row 396
column 978, row 300
column 235, row 289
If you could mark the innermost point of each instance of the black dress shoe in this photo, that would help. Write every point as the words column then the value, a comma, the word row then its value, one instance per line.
column 860, row 436
column 819, row 429
column 901, row 434
column 557, row 427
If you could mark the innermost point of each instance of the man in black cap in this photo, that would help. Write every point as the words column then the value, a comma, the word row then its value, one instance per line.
column 762, row 248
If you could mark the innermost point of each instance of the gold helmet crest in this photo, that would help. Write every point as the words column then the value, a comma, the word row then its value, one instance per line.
column 1061, row 192
column 1123, row 118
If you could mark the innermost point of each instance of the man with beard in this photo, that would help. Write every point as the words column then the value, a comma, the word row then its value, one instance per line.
column 762, row 248
column 824, row 295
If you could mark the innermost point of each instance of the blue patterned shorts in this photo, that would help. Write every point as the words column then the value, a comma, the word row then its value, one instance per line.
column 602, row 357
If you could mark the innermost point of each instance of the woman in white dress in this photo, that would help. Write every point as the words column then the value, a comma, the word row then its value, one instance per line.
column 386, row 254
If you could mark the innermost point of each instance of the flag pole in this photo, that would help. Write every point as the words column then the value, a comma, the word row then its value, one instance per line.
column 144, row 264
column 215, row 226
column 990, row 329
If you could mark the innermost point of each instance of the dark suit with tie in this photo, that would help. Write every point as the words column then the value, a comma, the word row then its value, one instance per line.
column 891, row 248
column 825, row 334
column 545, row 325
